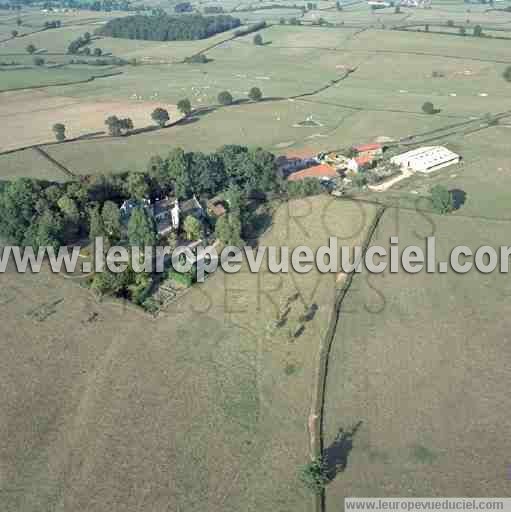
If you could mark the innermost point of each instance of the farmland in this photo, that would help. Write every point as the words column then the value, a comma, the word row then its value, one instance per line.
column 206, row 406
column 203, row 407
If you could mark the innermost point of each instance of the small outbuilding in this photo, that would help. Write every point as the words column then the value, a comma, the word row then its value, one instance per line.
column 426, row 159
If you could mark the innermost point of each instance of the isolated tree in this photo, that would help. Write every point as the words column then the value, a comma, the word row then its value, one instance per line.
column 192, row 228
column 14, row 33
column 478, row 31
column 31, row 49
column 141, row 228
column 255, row 94
column 450, row 23
column 38, row 61
column 87, row 51
column 86, row 37
column 428, row 108
column 184, row 106
column 59, row 130
column 160, row 116
column 228, row 229
column 126, row 124
column 114, row 126
column 462, row 31
column 507, row 74
column 282, row 21
column 441, row 199
column 426, row 28
column 225, row 98
column 314, row 475
column 258, row 40
column 19, row 22
column 98, row 52
column 397, row 9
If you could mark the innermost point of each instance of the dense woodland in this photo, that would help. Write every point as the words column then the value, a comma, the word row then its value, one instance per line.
column 168, row 28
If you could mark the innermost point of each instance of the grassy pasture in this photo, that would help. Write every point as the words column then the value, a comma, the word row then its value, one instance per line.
column 423, row 362
column 205, row 407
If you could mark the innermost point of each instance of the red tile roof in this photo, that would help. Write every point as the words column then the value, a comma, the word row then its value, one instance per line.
column 368, row 147
column 362, row 160
column 316, row 171
column 300, row 153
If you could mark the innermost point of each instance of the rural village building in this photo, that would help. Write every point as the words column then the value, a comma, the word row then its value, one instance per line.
column 321, row 171
column 295, row 161
column 426, row 159
column 373, row 150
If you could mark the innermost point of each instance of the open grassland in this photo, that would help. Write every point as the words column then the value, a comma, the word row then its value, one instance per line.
column 204, row 408
column 421, row 363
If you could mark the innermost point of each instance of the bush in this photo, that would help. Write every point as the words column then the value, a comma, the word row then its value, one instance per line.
column 304, row 188
column 255, row 94
column 428, row 108
column 225, row 98
column 185, row 280
column 442, row 200
column 38, row 61
column 313, row 476
column 258, row 40
column 450, row 23
column 507, row 74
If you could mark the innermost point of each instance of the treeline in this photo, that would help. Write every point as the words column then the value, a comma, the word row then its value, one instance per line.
column 97, row 5
column 168, row 28
column 251, row 28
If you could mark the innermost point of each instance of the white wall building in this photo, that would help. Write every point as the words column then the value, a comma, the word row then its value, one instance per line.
column 426, row 159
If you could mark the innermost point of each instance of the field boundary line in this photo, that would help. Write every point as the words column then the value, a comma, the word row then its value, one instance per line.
column 56, row 163
column 316, row 416
column 91, row 79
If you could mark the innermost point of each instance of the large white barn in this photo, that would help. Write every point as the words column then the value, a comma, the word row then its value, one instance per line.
column 426, row 159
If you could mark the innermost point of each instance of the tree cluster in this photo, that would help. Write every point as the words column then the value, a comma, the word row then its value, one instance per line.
column 52, row 24
column 169, row 28
column 118, row 127
column 75, row 46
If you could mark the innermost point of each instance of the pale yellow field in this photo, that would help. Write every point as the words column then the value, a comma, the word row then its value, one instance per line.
column 30, row 116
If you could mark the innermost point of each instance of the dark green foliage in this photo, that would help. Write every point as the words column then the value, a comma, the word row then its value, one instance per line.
column 169, row 28
column 184, row 106
column 255, row 94
column 160, row 116
column 442, row 200
column 141, row 228
column 31, row 49
column 52, row 24
column 225, row 98
column 258, row 40
column 14, row 33
column 38, row 61
column 183, row 279
column 428, row 108
column 75, row 46
column 198, row 58
column 213, row 9
column 98, row 52
column 507, row 74
column 60, row 131
column 450, row 23
column 117, row 126
column 478, row 31
column 314, row 476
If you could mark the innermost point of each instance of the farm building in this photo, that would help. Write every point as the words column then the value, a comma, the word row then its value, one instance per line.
column 320, row 171
column 295, row 161
column 373, row 150
column 426, row 159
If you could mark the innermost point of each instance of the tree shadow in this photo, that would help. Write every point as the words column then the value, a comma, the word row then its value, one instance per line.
column 459, row 198
column 336, row 455
column 267, row 43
